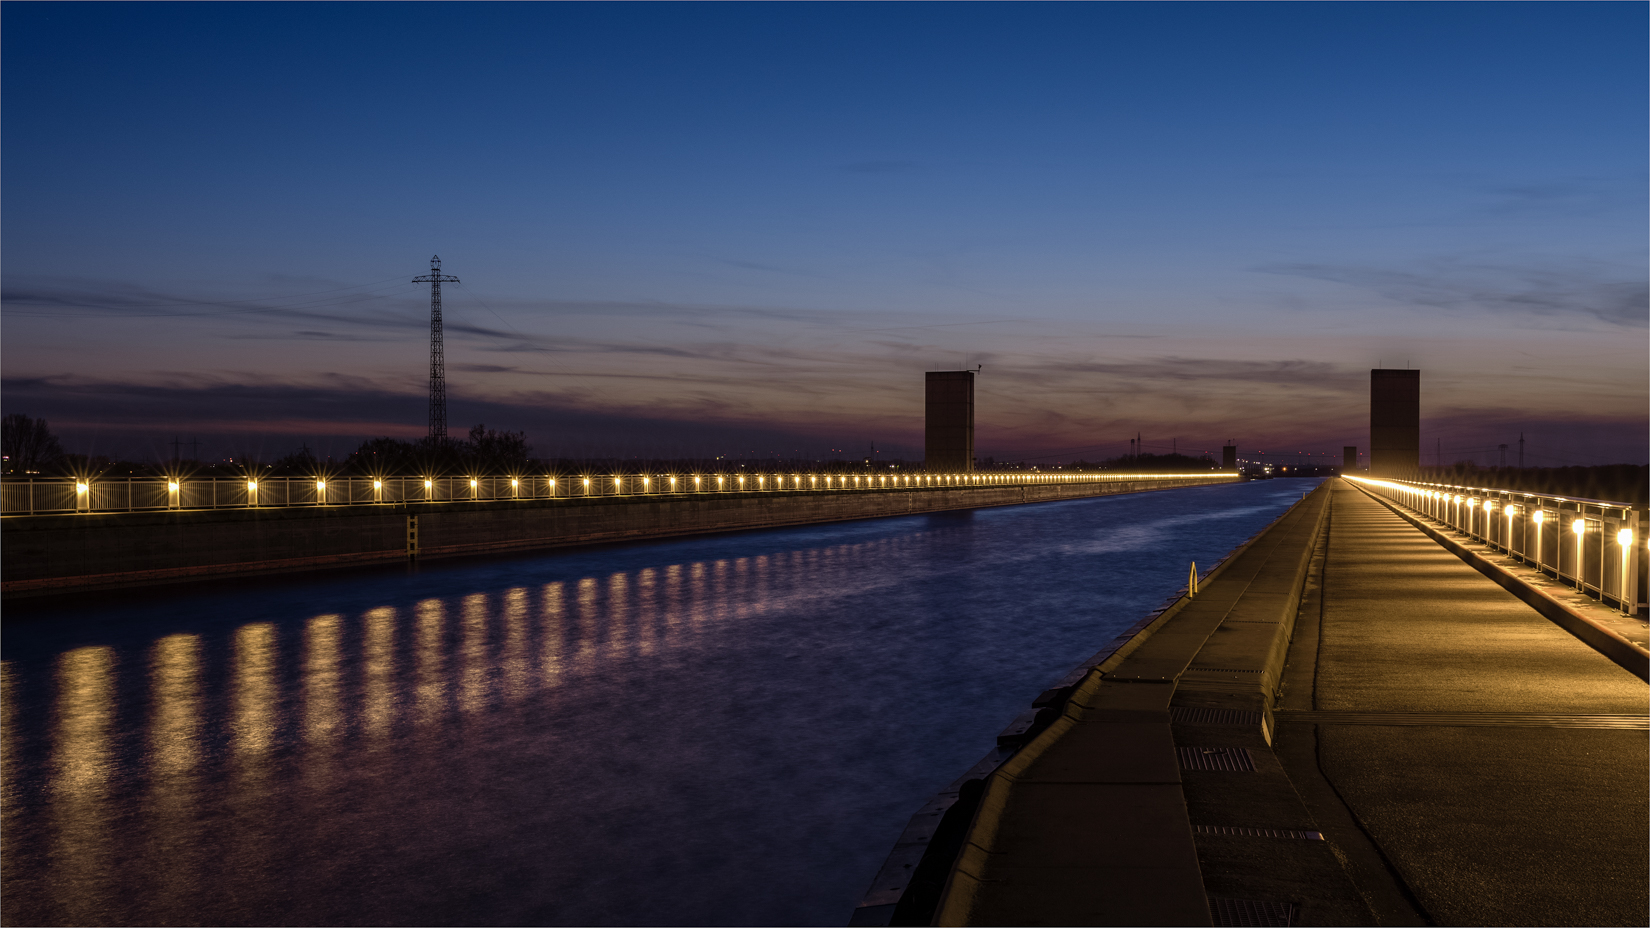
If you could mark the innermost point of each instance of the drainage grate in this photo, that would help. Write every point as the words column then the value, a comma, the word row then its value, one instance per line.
column 1220, row 670
column 1465, row 719
column 1249, row 912
column 1201, row 716
column 1257, row 832
column 1215, row 759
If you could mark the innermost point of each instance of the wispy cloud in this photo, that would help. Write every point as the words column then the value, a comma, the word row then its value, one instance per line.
column 1552, row 290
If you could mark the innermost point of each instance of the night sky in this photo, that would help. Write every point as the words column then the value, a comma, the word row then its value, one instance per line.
column 700, row 229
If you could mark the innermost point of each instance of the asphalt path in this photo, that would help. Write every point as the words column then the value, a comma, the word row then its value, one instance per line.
column 1479, row 747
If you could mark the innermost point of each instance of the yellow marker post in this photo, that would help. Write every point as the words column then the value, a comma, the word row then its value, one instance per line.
column 1191, row 584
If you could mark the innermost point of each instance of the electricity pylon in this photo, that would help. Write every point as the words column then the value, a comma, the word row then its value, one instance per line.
column 438, row 362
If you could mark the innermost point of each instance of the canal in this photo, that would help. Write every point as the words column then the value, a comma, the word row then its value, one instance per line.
column 722, row 730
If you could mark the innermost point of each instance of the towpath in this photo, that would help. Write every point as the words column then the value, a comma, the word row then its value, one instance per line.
column 1348, row 725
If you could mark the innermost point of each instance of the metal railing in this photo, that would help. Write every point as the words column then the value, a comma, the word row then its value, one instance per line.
column 37, row 496
column 1597, row 546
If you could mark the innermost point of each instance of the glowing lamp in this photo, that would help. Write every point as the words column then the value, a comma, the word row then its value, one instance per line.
column 514, row 482
column 1578, row 526
column 472, row 484
column 1539, row 517
column 172, row 485
column 252, row 485
column 378, row 484
column 320, row 484
column 80, row 488
column 1624, row 537
column 428, row 484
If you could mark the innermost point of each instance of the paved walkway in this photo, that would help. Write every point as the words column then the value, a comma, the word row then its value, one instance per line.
column 1348, row 726
column 1449, row 717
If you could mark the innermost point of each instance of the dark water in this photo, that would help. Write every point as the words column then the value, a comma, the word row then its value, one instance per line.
column 725, row 730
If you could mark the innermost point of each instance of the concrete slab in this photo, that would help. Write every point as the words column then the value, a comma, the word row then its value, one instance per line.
column 1493, row 823
column 1102, row 752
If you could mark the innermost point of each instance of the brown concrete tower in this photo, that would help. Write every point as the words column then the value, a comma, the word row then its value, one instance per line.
column 948, row 445
column 1349, row 458
column 1394, row 423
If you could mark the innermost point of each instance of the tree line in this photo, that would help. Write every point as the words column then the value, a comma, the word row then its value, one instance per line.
column 30, row 447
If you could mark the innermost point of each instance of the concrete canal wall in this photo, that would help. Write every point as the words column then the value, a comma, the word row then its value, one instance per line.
column 1346, row 725
column 49, row 554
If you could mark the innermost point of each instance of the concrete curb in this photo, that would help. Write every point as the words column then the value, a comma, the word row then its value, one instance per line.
column 1606, row 641
column 955, row 901
column 917, row 850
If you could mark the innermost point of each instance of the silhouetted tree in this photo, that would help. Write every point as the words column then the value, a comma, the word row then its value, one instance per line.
column 28, row 444
column 497, row 452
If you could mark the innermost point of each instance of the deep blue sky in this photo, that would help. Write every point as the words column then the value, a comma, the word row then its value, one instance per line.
column 694, row 228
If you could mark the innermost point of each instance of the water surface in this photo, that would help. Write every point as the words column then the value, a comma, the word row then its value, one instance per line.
column 721, row 730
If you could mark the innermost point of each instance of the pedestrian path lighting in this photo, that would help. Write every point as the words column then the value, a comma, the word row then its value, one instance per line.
column 1538, row 517
column 1624, row 540
column 429, row 490
column 252, row 492
column 172, row 494
column 514, row 483
column 320, row 492
column 472, row 488
column 1579, row 527
column 82, row 496
column 378, row 491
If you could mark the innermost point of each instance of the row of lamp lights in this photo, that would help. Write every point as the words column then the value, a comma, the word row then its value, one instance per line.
column 174, row 487
column 1578, row 528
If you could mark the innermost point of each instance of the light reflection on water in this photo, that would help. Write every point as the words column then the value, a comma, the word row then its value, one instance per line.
column 727, row 730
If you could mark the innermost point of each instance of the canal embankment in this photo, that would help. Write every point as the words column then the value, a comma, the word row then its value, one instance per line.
column 920, row 881
column 87, row 551
column 1347, row 724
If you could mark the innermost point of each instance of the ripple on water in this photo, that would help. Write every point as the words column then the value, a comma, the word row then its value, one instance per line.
column 719, row 730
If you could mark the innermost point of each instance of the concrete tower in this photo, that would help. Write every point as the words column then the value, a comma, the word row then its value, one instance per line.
column 1228, row 457
column 1349, row 458
column 948, row 441
column 1394, row 423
